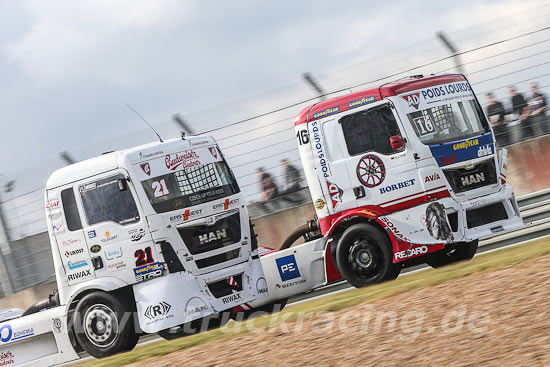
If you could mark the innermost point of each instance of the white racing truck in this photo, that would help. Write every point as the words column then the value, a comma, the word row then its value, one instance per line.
column 157, row 238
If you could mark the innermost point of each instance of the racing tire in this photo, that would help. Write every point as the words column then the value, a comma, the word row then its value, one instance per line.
column 364, row 256
column 195, row 327
column 461, row 252
column 269, row 308
column 102, row 326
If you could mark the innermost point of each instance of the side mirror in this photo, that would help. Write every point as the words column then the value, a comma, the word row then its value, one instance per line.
column 396, row 142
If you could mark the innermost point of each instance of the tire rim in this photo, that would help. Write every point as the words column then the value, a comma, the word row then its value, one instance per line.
column 364, row 257
column 101, row 326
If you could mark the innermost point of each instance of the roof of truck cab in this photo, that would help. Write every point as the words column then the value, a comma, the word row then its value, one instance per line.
column 357, row 99
column 110, row 161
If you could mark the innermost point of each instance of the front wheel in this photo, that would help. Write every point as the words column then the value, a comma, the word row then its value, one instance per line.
column 103, row 325
column 364, row 256
column 461, row 252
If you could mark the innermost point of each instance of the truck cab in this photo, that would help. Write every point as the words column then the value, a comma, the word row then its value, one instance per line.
column 414, row 158
column 163, row 227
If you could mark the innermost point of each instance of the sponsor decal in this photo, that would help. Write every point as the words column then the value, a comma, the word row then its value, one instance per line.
column 335, row 193
column 474, row 178
column 136, row 234
column 231, row 298
column 58, row 229
column 187, row 159
column 370, row 170
column 95, row 249
column 158, row 310
column 398, row 186
column 214, row 152
column 69, row 242
column 117, row 265
column 319, row 204
column 226, row 204
column 91, row 234
column 327, row 112
column 361, row 102
column 436, row 222
column 74, row 252
column 149, row 155
column 113, row 253
column 291, row 284
column 392, row 227
column 445, row 90
column 178, row 204
column 76, row 264
column 147, row 271
column 218, row 235
column 405, row 254
column 79, row 275
column 146, row 168
column 53, row 204
column 479, row 202
column 87, row 187
column 57, row 325
column 318, row 145
column 452, row 152
column 7, row 334
column 485, row 150
column 108, row 237
column 433, row 177
column 288, row 268
column 6, row 358
column 412, row 99
column 54, row 216
column 186, row 215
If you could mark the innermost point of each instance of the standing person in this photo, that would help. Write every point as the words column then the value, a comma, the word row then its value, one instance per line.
column 520, row 109
column 496, row 113
column 267, row 185
column 292, row 182
column 538, row 110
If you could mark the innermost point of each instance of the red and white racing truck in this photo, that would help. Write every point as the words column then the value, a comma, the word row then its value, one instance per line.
column 156, row 238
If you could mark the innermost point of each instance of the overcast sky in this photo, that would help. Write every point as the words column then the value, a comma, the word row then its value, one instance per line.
column 68, row 68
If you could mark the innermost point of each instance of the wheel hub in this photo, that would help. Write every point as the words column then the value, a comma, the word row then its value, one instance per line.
column 100, row 325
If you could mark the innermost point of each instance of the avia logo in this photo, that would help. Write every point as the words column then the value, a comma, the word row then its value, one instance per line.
column 214, row 152
column 146, row 168
column 472, row 179
column 412, row 99
column 187, row 159
column 80, row 274
column 152, row 312
column 74, row 252
column 433, row 177
column 231, row 298
column 213, row 236
column 335, row 193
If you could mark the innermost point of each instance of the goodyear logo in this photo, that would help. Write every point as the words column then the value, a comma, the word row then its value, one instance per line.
column 361, row 101
column 328, row 111
column 147, row 268
column 466, row 144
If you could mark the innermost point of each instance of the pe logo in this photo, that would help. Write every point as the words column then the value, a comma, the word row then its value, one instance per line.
column 288, row 268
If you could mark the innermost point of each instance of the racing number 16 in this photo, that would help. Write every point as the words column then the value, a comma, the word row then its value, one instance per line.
column 144, row 257
column 303, row 137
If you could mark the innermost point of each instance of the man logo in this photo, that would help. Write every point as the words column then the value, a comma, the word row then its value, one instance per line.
column 412, row 99
column 213, row 236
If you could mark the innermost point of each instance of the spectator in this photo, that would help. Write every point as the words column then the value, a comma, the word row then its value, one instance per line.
column 538, row 110
column 520, row 109
column 496, row 113
column 292, row 182
column 267, row 185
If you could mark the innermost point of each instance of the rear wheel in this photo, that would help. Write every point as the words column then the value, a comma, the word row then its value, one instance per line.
column 461, row 252
column 364, row 256
column 103, row 325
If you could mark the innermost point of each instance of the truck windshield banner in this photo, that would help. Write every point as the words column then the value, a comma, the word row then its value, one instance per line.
column 463, row 150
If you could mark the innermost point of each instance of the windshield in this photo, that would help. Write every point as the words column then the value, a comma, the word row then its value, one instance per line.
column 448, row 122
column 190, row 186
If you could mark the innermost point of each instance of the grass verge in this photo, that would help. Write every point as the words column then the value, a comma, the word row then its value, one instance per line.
column 482, row 263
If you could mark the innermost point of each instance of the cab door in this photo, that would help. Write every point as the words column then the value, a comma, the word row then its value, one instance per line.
column 116, row 230
column 380, row 164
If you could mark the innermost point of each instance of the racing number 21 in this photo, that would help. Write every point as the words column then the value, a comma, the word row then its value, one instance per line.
column 160, row 188
column 143, row 257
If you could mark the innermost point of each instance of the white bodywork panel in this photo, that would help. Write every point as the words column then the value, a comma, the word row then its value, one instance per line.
column 40, row 339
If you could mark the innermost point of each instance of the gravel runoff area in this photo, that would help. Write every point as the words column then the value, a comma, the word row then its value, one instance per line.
column 497, row 318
